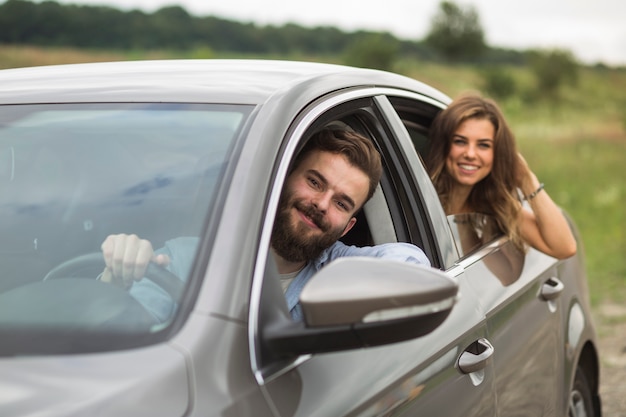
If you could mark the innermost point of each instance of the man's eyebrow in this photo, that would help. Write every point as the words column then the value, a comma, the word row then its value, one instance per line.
column 349, row 201
column 345, row 197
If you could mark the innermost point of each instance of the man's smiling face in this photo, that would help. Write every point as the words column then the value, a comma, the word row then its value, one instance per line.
column 317, row 206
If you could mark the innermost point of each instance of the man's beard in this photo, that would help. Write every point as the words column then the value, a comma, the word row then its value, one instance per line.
column 294, row 242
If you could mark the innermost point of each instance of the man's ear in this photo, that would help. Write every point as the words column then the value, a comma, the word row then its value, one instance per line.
column 349, row 226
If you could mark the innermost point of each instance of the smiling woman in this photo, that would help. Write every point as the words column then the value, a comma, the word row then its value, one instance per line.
column 470, row 159
column 474, row 164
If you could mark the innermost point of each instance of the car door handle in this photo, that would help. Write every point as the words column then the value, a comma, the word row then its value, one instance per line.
column 475, row 356
column 552, row 289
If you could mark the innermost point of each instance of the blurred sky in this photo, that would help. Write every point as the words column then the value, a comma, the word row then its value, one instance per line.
column 593, row 30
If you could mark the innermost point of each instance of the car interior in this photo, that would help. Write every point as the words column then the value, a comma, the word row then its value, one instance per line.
column 70, row 184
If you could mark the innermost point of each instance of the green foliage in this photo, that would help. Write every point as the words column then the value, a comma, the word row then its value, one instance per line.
column 372, row 51
column 202, row 52
column 456, row 33
column 50, row 24
column 499, row 83
column 585, row 176
column 553, row 69
column 24, row 22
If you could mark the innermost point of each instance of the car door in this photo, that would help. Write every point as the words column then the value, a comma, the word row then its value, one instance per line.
column 518, row 293
column 415, row 377
column 524, row 325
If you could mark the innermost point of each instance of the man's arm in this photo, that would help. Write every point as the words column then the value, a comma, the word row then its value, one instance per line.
column 404, row 252
column 130, row 255
column 399, row 251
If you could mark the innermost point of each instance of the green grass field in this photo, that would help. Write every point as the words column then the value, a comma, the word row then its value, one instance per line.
column 576, row 146
column 577, row 149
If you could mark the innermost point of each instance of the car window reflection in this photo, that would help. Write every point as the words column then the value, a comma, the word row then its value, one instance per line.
column 473, row 231
column 73, row 174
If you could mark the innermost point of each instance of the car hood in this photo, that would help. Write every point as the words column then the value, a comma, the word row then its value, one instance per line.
column 151, row 381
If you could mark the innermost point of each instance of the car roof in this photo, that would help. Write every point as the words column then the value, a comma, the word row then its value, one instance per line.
column 237, row 81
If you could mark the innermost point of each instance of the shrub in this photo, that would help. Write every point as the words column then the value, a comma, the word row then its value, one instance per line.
column 499, row 83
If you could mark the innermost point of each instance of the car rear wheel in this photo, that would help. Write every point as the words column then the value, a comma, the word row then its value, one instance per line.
column 580, row 399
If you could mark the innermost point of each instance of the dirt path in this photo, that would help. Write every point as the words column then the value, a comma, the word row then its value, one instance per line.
column 611, row 326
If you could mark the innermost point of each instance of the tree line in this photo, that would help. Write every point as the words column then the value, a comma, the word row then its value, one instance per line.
column 455, row 36
column 52, row 24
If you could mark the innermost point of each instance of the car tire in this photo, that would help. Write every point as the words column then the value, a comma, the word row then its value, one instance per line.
column 580, row 397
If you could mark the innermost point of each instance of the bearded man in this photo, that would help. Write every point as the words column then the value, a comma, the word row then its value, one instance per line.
column 331, row 179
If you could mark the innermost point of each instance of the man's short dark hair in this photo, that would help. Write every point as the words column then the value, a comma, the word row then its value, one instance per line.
column 357, row 149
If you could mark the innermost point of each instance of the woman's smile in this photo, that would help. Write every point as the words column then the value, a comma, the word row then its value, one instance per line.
column 471, row 152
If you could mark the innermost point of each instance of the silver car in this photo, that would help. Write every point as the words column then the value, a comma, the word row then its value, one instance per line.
column 198, row 151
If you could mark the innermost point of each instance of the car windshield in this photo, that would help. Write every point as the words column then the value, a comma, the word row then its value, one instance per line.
column 70, row 175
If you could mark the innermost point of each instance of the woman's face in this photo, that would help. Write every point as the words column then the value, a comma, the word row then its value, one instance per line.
column 471, row 152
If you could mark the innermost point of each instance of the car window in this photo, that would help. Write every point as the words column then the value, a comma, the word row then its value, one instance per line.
column 376, row 223
column 394, row 214
column 473, row 230
column 72, row 175
column 416, row 117
column 470, row 230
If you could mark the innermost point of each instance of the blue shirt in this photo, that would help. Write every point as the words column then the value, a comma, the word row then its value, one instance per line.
column 155, row 299
column 181, row 252
column 394, row 251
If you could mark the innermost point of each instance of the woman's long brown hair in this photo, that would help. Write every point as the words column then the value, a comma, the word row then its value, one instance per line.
column 497, row 194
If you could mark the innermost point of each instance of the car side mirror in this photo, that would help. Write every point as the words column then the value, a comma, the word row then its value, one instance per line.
column 357, row 302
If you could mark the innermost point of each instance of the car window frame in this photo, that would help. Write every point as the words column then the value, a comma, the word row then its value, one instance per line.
column 362, row 108
column 416, row 117
column 421, row 199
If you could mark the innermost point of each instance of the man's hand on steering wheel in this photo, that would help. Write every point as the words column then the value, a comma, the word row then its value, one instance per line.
column 126, row 258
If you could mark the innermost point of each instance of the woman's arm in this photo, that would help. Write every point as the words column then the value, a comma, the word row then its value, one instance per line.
column 545, row 228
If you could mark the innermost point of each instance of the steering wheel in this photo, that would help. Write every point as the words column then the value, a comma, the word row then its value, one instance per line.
column 172, row 284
